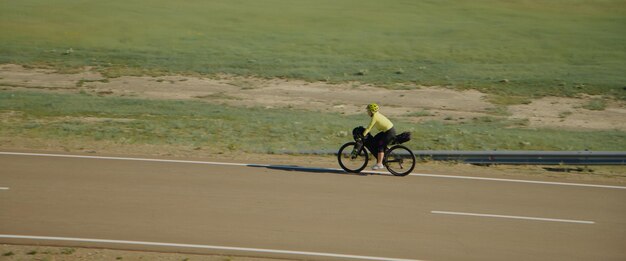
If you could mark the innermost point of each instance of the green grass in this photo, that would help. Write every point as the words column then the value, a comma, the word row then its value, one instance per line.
column 68, row 251
column 522, row 48
column 80, row 117
column 597, row 104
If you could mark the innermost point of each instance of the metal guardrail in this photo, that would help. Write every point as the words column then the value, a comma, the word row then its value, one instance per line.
column 528, row 157
column 514, row 157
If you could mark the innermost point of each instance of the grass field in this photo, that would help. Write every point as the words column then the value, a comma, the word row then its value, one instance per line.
column 524, row 48
column 196, row 124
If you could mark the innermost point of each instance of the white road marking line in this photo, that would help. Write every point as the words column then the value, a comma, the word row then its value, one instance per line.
column 513, row 217
column 124, row 158
column 245, row 249
column 4, row 188
column 305, row 168
column 521, row 181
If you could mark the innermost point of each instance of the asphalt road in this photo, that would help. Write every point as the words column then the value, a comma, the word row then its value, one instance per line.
column 302, row 213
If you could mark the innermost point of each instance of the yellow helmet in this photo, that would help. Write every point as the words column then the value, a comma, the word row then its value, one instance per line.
column 373, row 107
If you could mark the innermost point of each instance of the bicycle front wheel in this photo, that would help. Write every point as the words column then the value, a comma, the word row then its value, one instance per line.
column 399, row 160
column 351, row 160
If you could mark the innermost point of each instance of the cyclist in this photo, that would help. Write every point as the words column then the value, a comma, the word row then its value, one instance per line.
column 386, row 134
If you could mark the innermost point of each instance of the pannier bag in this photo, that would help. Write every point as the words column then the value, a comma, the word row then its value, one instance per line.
column 403, row 137
column 357, row 133
column 368, row 141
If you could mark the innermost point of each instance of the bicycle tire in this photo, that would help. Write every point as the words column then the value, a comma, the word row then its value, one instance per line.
column 347, row 163
column 399, row 160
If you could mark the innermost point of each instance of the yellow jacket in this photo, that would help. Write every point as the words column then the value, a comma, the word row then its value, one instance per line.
column 380, row 121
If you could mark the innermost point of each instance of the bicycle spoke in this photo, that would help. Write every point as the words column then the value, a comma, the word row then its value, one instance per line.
column 350, row 160
column 396, row 158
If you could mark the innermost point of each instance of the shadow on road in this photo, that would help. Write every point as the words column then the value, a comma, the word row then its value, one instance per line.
column 309, row 169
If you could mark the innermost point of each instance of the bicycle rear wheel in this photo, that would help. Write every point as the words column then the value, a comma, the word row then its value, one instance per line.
column 350, row 162
column 399, row 160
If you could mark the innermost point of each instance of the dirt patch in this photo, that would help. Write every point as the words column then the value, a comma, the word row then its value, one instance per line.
column 569, row 113
column 16, row 75
column 18, row 252
column 416, row 104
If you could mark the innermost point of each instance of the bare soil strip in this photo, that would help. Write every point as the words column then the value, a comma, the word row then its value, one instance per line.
column 417, row 103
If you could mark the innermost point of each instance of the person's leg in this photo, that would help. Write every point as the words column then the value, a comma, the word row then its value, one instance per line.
column 379, row 141
column 384, row 141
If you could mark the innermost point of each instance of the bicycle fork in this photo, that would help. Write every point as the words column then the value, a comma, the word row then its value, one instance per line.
column 357, row 149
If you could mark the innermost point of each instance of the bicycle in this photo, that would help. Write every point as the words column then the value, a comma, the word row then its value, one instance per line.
column 354, row 156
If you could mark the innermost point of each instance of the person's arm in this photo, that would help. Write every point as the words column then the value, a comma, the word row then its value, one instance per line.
column 369, row 128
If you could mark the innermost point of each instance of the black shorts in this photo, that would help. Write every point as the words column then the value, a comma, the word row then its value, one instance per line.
column 382, row 139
